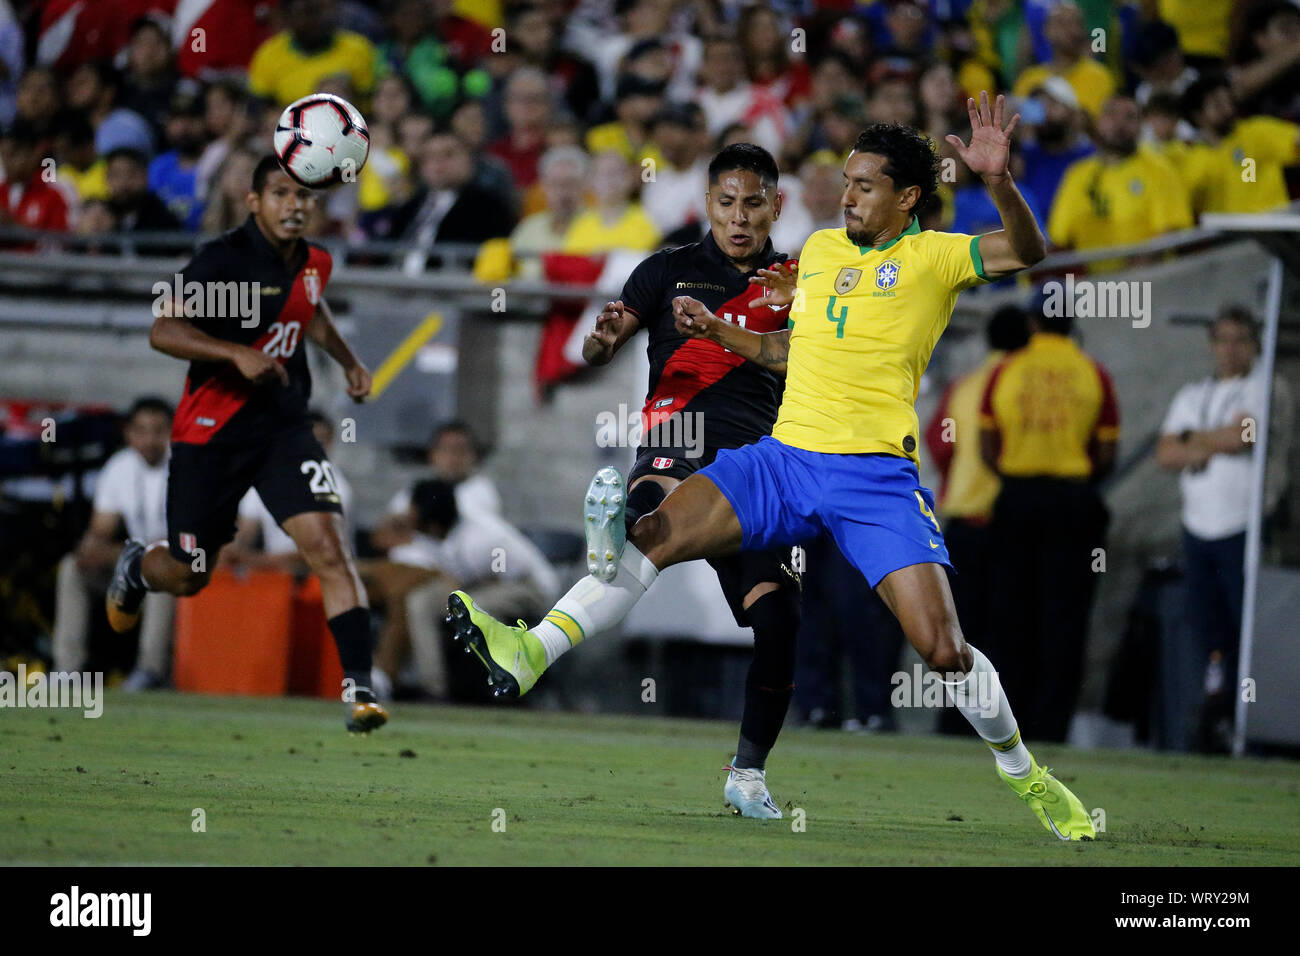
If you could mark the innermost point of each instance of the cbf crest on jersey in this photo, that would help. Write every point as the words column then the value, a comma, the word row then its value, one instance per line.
column 311, row 282
column 887, row 275
column 847, row 280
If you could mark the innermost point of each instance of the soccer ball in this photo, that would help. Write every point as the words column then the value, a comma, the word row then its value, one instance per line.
column 321, row 140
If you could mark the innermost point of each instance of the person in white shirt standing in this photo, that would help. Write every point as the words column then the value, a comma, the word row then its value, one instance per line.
column 130, row 494
column 1208, row 436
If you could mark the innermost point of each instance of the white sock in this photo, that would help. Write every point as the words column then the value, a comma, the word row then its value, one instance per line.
column 593, row 606
column 981, row 700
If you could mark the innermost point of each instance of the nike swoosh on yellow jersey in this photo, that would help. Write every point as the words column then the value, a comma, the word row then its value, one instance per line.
column 809, row 275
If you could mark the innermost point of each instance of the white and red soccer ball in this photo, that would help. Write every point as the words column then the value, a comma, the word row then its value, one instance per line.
column 322, row 140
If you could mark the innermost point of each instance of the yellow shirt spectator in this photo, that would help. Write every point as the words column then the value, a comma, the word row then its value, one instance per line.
column 590, row 235
column 1203, row 25
column 970, row 487
column 1103, row 202
column 1092, row 83
column 89, row 183
column 1048, row 401
column 282, row 72
column 612, row 137
column 1221, row 179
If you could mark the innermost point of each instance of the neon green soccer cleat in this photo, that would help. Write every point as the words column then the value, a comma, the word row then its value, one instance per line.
column 1052, row 802
column 514, row 658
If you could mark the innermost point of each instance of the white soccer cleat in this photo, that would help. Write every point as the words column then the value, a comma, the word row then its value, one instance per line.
column 746, row 794
column 603, row 520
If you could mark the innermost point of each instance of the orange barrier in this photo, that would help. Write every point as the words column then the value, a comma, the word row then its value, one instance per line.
column 260, row 634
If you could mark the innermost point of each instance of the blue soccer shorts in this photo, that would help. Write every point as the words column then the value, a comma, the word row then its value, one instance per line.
column 873, row 506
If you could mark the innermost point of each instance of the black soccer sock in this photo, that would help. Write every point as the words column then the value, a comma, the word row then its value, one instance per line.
column 642, row 500
column 351, row 631
column 770, row 682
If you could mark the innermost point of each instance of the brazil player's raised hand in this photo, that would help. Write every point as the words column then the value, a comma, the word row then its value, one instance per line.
column 990, row 145
column 257, row 366
column 780, row 282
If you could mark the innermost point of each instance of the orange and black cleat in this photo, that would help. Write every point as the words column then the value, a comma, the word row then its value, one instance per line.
column 122, row 601
column 365, row 716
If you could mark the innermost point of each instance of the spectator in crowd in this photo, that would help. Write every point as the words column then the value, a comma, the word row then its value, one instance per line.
column 415, row 51
column 131, row 500
column 766, row 54
column 1164, row 131
column 509, row 573
column 832, row 79
column 38, row 101
column 173, row 175
column 1204, row 29
column 228, row 120
column 1208, row 437
column 95, row 218
column 227, row 205
column 536, row 35
column 1122, row 195
column 27, row 197
column 1049, row 424
column 80, row 171
column 448, row 206
column 727, row 97
column 232, row 30
column 973, row 211
column 385, row 180
column 1054, row 138
column 259, row 541
column 12, row 61
column 529, row 111
column 151, row 77
column 135, row 208
column 1071, row 59
column 1269, row 82
column 563, row 172
column 636, row 102
column 892, row 100
column 292, row 63
column 455, row 455
column 969, row 486
column 674, row 196
column 637, row 21
column 1214, row 167
column 1158, row 61
column 94, row 88
column 616, row 220
column 942, row 102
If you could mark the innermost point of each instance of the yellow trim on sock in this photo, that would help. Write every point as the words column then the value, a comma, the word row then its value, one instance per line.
column 1008, row 744
column 571, row 628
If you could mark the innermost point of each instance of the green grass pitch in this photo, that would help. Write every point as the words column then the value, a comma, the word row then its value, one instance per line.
column 280, row 782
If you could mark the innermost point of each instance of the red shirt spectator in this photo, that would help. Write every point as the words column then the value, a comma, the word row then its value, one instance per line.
column 232, row 30
column 34, row 204
column 73, row 32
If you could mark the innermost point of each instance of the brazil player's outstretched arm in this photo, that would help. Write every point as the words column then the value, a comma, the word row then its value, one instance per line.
column 768, row 349
column 180, row 338
column 1019, row 243
column 614, row 326
column 325, row 333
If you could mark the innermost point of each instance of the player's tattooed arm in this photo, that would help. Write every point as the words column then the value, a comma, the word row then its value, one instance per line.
column 614, row 326
column 174, row 335
column 769, row 349
column 1019, row 243
column 325, row 333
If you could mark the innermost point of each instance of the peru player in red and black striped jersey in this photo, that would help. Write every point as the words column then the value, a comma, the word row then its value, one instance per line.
column 240, row 313
column 703, row 398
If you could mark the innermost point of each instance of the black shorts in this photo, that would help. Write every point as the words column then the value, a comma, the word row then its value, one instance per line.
column 206, row 482
column 737, row 573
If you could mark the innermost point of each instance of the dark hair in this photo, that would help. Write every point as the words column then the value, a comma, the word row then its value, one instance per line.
column 128, row 153
column 263, row 170
column 745, row 156
column 24, row 132
column 1164, row 104
column 1261, row 14
column 434, row 502
column 76, row 126
column 1194, row 96
column 150, row 23
column 457, row 425
column 149, row 403
column 1008, row 328
column 1235, row 312
column 910, row 159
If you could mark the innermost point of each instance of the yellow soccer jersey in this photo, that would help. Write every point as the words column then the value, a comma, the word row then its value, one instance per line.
column 1222, row 180
column 1103, row 203
column 865, row 322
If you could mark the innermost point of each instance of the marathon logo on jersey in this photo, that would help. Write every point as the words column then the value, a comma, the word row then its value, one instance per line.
column 847, row 281
column 209, row 300
column 188, row 542
column 311, row 282
column 662, row 463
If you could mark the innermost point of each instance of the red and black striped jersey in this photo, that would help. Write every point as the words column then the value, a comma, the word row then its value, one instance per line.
column 248, row 293
column 737, row 399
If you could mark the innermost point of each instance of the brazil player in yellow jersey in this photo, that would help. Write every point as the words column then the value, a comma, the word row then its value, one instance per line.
column 870, row 303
